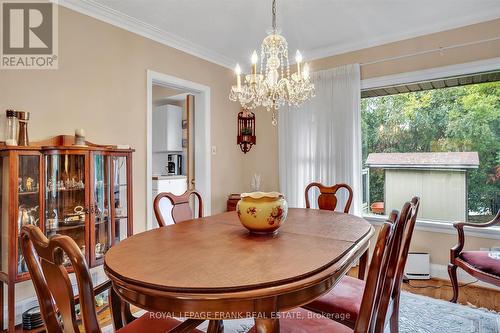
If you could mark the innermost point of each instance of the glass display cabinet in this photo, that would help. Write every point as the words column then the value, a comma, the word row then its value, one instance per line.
column 65, row 196
column 119, row 197
column 83, row 192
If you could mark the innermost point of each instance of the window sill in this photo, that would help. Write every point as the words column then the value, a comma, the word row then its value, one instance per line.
column 445, row 228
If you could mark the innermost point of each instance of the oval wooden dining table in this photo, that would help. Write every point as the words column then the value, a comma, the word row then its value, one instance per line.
column 213, row 269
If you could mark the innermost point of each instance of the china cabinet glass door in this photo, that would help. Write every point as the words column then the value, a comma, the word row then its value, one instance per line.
column 100, row 203
column 65, row 197
column 28, row 198
column 120, row 197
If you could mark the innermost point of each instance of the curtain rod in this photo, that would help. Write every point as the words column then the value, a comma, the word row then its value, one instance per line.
column 440, row 49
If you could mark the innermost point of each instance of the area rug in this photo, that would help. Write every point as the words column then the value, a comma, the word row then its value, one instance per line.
column 419, row 314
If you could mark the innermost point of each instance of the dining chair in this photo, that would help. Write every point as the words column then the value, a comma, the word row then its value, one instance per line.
column 346, row 297
column 181, row 209
column 480, row 264
column 398, row 265
column 45, row 257
column 327, row 200
column 303, row 320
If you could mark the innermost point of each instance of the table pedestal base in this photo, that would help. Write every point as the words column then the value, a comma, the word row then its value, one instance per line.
column 215, row 326
column 263, row 325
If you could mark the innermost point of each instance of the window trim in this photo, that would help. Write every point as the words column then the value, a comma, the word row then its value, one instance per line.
column 431, row 73
column 441, row 227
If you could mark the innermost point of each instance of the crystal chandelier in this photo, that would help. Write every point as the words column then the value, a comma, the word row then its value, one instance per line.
column 273, row 86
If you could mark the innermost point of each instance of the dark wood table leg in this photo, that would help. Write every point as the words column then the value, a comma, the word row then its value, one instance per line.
column 265, row 325
column 215, row 326
column 363, row 263
column 187, row 326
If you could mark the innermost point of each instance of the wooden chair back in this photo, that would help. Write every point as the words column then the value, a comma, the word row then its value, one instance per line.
column 45, row 259
column 376, row 275
column 405, row 245
column 327, row 199
column 181, row 209
column 397, row 260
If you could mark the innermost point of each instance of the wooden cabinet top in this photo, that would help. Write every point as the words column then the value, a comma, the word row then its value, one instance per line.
column 64, row 142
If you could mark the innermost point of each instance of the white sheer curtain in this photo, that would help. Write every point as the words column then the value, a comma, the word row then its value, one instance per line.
column 321, row 140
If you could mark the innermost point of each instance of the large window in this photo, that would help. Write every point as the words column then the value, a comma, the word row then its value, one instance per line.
column 440, row 144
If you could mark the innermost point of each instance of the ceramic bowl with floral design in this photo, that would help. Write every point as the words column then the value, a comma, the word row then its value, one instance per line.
column 262, row 212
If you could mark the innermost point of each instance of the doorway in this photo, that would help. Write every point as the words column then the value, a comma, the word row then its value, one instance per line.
column 170, row 153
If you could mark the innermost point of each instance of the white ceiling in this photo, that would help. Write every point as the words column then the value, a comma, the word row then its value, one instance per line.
column 226, row 31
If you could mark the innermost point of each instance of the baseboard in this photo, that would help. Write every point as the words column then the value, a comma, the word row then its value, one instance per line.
column 441, row 272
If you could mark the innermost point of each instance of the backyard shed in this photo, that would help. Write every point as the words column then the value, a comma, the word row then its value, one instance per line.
column 439, row 179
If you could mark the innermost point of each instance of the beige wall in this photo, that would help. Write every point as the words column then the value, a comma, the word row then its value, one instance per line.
column 439, row 244
column 264, row 156
column 160, row 95
column 101, row 86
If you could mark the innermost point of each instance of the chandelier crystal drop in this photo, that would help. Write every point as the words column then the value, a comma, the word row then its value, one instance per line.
column 273, row 87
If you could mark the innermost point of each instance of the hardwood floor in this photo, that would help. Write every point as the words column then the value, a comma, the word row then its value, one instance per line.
column 469, row 295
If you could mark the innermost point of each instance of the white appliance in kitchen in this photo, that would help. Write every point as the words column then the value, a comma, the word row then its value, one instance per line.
column 173, row 184
column 167, row 129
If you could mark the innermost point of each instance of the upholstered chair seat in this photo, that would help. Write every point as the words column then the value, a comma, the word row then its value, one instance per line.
column 343, row 302
column 486, row 261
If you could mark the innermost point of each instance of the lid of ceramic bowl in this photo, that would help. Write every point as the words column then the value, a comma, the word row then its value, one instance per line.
column 260, row 195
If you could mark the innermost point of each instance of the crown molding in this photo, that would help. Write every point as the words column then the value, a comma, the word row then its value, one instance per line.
column 450, row 24
column 129, row 23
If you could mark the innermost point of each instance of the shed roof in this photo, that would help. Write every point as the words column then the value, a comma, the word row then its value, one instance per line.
column 441, row 160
